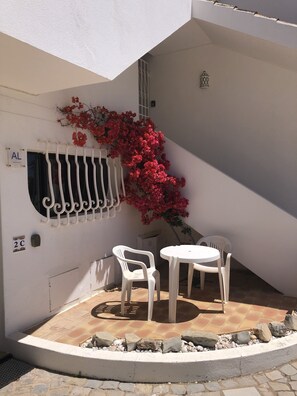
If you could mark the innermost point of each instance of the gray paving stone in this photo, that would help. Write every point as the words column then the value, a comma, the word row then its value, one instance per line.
column 263, row 387
column 63, row 391
column 161, row 389
column 115, row 392
column 284, row 380
column 293, row 385
column 76, row 381
column 169, row 394
column 251, row 391
column 286, row 394
column 288, row 369
column 97, row 392
column 213, row 386
column 93, row 383
column 127, row 387
column 195, row 388
column 143, row 389
column 112, row 385
column 80, row 391
column 294, row 363
column 40, row 389
column 246, row 381
column 294, row 377
column 229, row 383
column 56, row 383
column 274, row 375
column 211, row 393
column 278, row 386
column 177, row 389
column 261, row 378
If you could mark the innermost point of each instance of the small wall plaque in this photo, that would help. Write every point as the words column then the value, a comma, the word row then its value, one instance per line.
column 16, row 156
column 19, row 243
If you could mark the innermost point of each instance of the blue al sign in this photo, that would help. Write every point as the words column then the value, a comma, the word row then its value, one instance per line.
column 16, row 157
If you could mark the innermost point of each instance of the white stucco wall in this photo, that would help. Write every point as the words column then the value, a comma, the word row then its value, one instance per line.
column 244, row 124
column 24, row 120
column 104, row 37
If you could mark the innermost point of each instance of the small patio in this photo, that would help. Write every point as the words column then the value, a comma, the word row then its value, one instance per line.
column 252, row 301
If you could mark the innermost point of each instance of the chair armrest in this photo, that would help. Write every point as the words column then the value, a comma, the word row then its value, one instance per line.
column 138, row 263
column 144, row 253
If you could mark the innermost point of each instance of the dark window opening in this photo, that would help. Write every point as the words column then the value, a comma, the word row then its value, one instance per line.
column 39, row 186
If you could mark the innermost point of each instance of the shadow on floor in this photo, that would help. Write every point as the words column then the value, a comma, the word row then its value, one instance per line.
column 111, row 310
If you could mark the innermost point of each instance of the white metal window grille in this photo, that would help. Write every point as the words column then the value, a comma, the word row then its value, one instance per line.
column 143, row 89
column 70, row 184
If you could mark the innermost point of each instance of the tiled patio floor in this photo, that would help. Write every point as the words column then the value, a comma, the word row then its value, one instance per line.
column 251, row 301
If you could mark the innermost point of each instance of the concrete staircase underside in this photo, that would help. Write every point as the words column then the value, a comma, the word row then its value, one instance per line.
column 263, row 236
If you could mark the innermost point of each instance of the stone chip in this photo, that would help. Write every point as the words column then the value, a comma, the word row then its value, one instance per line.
column 103, row 339
column 278, row 329
column 263, row 332
column 203, row 338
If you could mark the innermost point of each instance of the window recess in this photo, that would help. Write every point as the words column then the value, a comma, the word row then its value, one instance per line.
column 69, row 184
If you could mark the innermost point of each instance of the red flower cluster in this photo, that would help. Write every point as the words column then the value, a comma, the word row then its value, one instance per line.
column 79, row 138
column 149, row 187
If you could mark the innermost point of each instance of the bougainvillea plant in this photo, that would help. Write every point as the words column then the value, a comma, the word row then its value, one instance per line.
column 149, row 187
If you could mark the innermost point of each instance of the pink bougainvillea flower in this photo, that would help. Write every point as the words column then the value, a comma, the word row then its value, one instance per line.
column 149, row 187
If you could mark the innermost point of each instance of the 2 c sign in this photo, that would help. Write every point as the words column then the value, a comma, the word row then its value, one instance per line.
column 19, row 243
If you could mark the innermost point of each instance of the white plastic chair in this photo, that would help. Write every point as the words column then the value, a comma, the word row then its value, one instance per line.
column 149, row 274
column 221, row 266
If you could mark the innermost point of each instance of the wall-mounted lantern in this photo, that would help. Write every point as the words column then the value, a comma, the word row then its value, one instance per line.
column 204, row 80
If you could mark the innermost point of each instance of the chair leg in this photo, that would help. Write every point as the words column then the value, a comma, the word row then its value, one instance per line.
column 129, row 289
column 151, row 290
column 190, row 278
column 227, row 284
column 225, row 287
column 202, row 280
column 123, row 296
column 222, row 291
column 157, row 277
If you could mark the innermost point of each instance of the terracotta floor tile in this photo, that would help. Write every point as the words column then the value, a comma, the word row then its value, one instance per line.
column 251, row 301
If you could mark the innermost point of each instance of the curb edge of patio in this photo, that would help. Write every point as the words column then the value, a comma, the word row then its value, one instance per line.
column 153, row 367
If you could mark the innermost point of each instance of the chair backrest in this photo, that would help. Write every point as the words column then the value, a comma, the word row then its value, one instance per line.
column 218, row 242
column 119, row 253
column 134, row 259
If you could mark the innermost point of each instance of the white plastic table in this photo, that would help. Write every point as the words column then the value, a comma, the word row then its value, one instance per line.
column 184, row 254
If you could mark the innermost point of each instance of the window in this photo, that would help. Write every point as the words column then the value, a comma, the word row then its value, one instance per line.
column 63, row 186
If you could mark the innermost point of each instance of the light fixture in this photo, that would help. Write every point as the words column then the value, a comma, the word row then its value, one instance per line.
column 204, row 80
